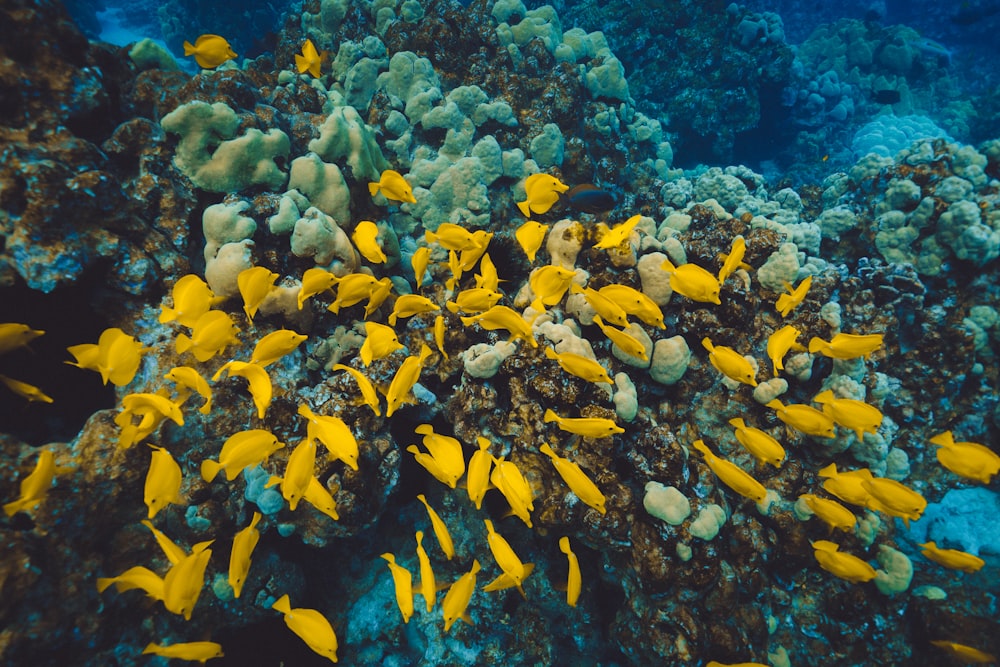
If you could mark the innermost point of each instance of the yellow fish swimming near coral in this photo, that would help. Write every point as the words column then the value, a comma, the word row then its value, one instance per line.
column 310, row 60
column 209, row 51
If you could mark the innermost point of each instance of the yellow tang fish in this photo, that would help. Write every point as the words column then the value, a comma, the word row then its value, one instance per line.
column 163, row 481
column 514, row 571
column 408, row 305
column 365, row 237
column 530, row 236
column 380, row 292
column 577, row 481
column 315, row 281
column 734, row 260
column 14, row 335
column 401, row 387
column 588, row 427
column 242, row 450
column 255, row 284
column 964, row 652
column 212, row 334
column 419, row 261
column 183, row 582
column 692, row 281
column 25, row 390
column 634, row 302
column 580, row 366
column 258, row 381
column 174, row 553
column 137, row 577
column 456, row 600
column 447, row 460
column 846, row 346
column 35, row 485
column 352, row 289
column 368, row 395
column 729, row 362
column 953, row 558
column 310, row 60
column 503, row 317
column 186, row 381
column 151, row 409
column 320, row 497
column 574, row 582
column 626, row 342
column 190, row 651
column 334, row 433
column 549, row 283
column 403, row 582
column 542, row 192
column 440, row 328
column 609, row 309
column 761, row 445
column 274, row 346
column 380, row 342
column 715, row 663
column 507, row 478
column 116, row 356
column 489, row 279
column 857, row 416
column 428, row 584
column 298, row 473
column 311, row 627
column 474, row 300
column 804, row 418
column 894, row 498
column 779, row 343
column 733, row 476
column 192, row 298
column 844, row 565
column 440, row 529
column 787, row 302
column 209, row 51
column 967, row 459
column 478, row 479
column 618, row 235
column 244, row 543
column 831, row 512
column 467, row 258
column 452, row 237
column 393, row 186
column 847, row 485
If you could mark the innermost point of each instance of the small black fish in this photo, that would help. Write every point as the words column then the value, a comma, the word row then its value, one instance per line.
column 589, row 199
column 885, row 96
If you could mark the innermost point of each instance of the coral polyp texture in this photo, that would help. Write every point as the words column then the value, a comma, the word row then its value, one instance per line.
column 397, row 337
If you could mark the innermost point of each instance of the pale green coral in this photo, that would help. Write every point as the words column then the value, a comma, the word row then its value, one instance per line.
column 666, row 503
column 708, row 522
column 547, row 148
column 234, row 164
column 323, row 184
column 225, row 223
column 608, row 80
column 780, row 268
column 345, row 136
column 897, row 572
column 670, row 360
column 317, row 235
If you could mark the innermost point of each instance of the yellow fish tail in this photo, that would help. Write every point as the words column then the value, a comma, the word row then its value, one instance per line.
column 189, row 48
column 210, row 469
column 373, row 188
column 282, row 605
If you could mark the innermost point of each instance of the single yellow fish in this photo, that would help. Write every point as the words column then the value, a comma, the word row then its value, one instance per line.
column 542, row 192
column 163, row 481
column 255, row 284
column 440, row 529
column 393, row 186
column 588, row 427
column 14, row 335
column 452, row 237
column 580, row 366
column 183, row 582
column 831, row 512
column 212, row 334
column 804, row 418
column 761, row 445
column 419, row 261
column 440, row 328
column 258, row 381
column 503, row 317
column 574, row 582
column 847, row 485
column 618, row 235
column 844, row 565
column 311, row 626
column 894, row 498
column 403, row 582
column 242, row 450
column 27, row 391
column 334, row 433
column 408, row 305
column 445, row 460
column 953, row 558
column 401, row 388
column 456, row 600
column 787, row 302
column 365, row 237
column 187, row 381
column 368, row 394
column 846, row 346
column 478, row 479
column 310, row 60
column 380, row 342
column 549, row 283
column 625, row 341
column 209, row 51
column 734, row 260
column 609, row 309
column 634, row 302
column 779, row 343
column 967, row 459
column 692, row 281
column 299, row 470
column 315, row 281
column 244, row 543
column 428, row 583
column 514, row 571
column 854, row 415
column 965, row 652
column 192, row 298
column 116, row 356
column 320, row 497
column 275, row 345
column 35, row 485
column 190, row 651
column 474, row 300
column 733, row 476
column 577, row 480
column 730, row 363
column 530, row 237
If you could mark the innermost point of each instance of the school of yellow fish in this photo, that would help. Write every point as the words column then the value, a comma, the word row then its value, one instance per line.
column 204, row 332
